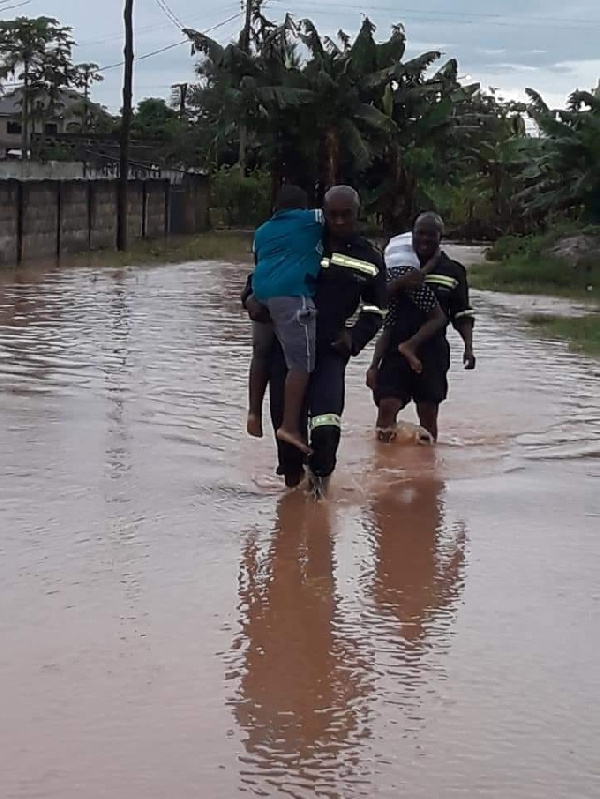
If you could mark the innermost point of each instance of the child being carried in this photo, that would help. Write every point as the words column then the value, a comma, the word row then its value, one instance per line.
column 288, row 251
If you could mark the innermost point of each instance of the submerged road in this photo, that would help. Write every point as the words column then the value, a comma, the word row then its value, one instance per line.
column 174, row 625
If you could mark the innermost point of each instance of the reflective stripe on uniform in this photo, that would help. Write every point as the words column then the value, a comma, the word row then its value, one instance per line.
column 325, row 420
column 469, row 314
column 442, row 280
column 337, row 259
column 373, row 309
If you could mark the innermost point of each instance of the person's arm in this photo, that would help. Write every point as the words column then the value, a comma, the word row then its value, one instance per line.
column 462, row 317
column 246, row 291
column 372, row 312
column 381, row 347
column 407, row 278
column 436, row 321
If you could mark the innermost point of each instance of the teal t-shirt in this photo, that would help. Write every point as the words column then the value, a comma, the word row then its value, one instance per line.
column 288, row 250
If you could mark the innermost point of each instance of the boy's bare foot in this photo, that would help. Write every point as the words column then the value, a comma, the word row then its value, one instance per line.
column 410, row 355
column 387, row 435
column 294, row 438
column 254, row 426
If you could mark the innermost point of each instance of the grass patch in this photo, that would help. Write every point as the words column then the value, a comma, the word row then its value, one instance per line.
column 212, row 246
column 538, row 274
column 582, row 333
column 533, row 245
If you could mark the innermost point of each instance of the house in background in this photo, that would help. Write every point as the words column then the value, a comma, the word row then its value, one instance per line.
column 67, row 118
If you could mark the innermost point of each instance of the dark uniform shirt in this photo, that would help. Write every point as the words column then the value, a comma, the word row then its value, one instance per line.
column 448, row 282
column 351, row 278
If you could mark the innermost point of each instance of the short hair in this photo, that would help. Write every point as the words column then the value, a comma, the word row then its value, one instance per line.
column 430, row 216
column 344, row 191
column 291, row 197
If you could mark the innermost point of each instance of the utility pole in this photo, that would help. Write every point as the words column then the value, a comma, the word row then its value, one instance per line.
column 182, row 91
column 87, row 79
column 125, row 126
column 245, row 46
column 245, row 39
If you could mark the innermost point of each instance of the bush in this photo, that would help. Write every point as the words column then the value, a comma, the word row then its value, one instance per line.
column 240, row 200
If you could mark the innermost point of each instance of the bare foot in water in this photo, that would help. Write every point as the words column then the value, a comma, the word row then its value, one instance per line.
column 254, row 426
column 387, row 435
column 294, row 438
column 411, row 356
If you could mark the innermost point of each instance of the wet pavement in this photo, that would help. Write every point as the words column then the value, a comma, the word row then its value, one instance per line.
column 173, row 624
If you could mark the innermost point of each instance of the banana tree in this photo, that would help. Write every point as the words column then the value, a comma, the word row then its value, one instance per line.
column 564, row 169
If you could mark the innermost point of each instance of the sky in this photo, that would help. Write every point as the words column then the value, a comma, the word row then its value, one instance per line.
column 548, row 45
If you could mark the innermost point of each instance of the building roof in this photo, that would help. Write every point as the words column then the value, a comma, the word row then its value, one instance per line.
column 10, row 103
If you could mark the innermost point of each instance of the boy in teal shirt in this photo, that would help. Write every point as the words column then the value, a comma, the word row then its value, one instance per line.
column 287, row 250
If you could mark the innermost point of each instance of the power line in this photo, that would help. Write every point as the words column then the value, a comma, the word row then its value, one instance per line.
column 168, row 47
column 148, row 29
column 164, row 7
column 16, row 5
column 454, row 16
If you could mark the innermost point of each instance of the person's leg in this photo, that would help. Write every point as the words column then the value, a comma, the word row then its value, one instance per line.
column 263, row 338
column 428, row 413
column 431, row 386
column 392, row 394
column 326, row 399
column 387, row 418
column 290, row 461
column 294, row 320
column 296, row 384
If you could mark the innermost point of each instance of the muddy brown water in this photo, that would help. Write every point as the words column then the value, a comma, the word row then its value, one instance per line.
column 173, row 625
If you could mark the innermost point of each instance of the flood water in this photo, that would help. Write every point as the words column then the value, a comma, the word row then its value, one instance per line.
column 174, row 625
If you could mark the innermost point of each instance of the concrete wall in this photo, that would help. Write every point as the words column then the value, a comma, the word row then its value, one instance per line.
column 103, row 215
column 9, row 221
column 74, row 224
column 135, row 210
column 42, row 219
column 77, row 170
column 40, row 202
column 157, row 202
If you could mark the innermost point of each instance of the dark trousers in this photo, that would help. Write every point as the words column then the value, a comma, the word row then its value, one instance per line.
column 322, row 418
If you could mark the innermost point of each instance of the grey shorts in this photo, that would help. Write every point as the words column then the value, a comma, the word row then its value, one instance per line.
column 295, row 324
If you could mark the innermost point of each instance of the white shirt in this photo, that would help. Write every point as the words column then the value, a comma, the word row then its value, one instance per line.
column 400, row 253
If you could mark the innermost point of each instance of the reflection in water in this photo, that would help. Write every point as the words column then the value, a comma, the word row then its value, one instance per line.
column 418, row 574
column 361, row 667
column 299, row 699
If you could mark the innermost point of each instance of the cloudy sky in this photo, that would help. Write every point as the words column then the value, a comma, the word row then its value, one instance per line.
column 549, row 45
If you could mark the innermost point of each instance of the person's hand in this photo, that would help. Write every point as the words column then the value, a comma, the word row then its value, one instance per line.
column 343, row 344
column 413, row 280
column 256, row 310
column 469, row 359
column 372, row 377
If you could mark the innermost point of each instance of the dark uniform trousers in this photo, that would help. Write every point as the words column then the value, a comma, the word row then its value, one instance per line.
column 322, row 418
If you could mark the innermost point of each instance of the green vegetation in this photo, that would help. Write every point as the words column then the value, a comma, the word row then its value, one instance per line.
column 533, row 265
column 582, row 333
column 288, row 104
column 524, row 274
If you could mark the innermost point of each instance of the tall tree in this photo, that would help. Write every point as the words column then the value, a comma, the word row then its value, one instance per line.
column 38, row 52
